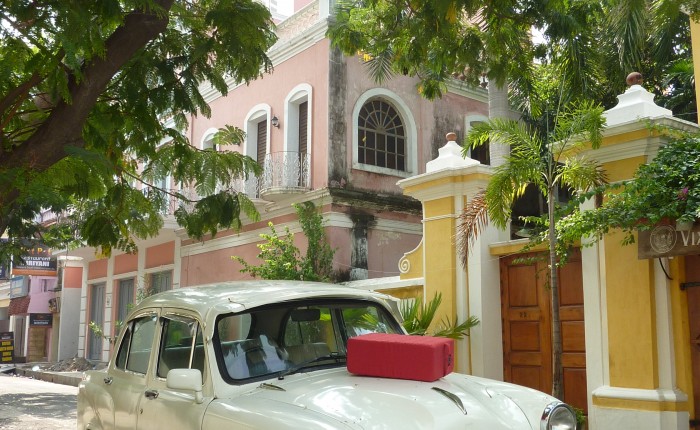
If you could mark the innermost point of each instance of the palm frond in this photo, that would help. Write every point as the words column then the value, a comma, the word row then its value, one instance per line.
column 627, row 28
column 499, row 131
column 418, row 317
column 448, row 328
column 473, row 219
column 380, row 66
column 581, row 124
column 581, row 174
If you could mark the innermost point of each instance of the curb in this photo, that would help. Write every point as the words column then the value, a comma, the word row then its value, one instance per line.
column 63, row 378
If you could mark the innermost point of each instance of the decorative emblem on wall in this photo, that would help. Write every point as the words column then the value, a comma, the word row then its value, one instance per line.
column 662, row 239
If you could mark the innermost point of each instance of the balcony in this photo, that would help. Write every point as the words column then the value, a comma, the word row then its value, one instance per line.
column 285, row 173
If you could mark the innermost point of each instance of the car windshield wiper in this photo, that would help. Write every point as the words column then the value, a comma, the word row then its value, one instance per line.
column 297, row 367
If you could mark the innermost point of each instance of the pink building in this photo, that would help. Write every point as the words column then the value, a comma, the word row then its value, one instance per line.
column 324, row 132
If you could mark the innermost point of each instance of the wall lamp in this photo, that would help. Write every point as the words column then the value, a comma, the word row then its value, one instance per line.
column 275, row 122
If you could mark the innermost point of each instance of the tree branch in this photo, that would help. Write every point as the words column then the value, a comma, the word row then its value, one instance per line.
column 65, row 124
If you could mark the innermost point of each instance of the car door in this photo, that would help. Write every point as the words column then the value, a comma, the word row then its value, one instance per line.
column 125, row 381
column 180, row 346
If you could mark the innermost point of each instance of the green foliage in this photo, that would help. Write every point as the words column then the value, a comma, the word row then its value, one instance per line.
column 544, row 159
column 282, row 259
column 667, row 188
column 89, row 91
column 418, row 318
column 432, row 40
column 587, row 47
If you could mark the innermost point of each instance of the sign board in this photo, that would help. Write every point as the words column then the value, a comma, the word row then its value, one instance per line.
column 7, row 347
column 665, row 241
column 37, row 261
column 44, row 320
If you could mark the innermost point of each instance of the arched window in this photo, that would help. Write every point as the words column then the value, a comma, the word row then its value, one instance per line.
column 381, row 136
column 384, row 138
column 207, row 141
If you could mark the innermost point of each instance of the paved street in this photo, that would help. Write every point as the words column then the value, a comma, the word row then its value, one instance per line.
column 28, row 404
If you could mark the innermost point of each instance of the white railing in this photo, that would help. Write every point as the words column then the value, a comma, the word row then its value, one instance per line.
column 287, row 170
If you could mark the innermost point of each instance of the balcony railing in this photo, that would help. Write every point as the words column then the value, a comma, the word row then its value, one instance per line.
column 168, row 201
column 285, row 173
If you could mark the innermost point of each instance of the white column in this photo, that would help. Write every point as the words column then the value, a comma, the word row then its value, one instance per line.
column 485, row 304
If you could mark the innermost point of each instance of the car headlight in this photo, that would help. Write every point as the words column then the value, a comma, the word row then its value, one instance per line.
column 558, row 416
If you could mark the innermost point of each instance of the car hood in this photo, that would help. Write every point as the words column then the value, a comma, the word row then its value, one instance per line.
column 455, row 401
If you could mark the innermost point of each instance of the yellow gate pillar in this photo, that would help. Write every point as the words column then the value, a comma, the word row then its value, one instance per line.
column 631, row 348
column 443, row 190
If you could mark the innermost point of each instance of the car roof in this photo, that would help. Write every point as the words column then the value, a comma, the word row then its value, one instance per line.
column 239, row 295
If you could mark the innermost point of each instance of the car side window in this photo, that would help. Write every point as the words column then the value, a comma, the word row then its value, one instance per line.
column 141, row 341
column 123, row 352
column 181, row 345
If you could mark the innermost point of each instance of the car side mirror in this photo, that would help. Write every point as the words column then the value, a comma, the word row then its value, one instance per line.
column 188, row 380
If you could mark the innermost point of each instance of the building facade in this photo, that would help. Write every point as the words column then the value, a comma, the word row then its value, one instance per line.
column 324, row 132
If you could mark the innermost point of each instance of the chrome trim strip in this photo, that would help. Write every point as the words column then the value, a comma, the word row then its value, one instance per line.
column 456, row 400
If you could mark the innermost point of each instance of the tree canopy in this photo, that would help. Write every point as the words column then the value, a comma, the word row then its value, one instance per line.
column 95, row 98
column 590, row 46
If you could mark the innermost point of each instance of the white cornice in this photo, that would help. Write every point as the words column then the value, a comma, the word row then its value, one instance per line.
column 449, row 188
column 460, row 88
column 647, row 146
column 659, row 395
column 279, row 53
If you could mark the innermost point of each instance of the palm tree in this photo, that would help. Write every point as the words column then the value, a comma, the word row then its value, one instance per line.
column 547, row 159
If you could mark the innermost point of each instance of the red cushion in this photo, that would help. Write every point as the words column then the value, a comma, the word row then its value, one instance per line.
column 420, row 358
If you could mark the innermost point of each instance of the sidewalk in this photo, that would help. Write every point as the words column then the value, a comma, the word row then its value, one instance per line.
column 67, row 372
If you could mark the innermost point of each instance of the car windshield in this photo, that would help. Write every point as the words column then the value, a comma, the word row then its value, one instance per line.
column 284, row 338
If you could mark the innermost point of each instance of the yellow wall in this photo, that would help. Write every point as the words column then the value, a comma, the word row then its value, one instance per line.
column 681, row 330
column 440, row 254
column 623, row 169
column 631, row 317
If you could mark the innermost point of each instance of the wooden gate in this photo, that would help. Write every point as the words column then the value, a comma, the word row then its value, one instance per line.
column 527, row 321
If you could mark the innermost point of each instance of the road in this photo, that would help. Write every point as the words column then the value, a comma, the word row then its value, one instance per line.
column 29, row 404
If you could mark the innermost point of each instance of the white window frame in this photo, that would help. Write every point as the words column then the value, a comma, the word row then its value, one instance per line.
column 409, row 124
column 255, row 115
column 207, row 141
column 299, row 94
column 468, row 120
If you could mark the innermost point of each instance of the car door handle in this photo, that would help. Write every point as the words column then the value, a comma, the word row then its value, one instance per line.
column 151, row 394
column 108, row 380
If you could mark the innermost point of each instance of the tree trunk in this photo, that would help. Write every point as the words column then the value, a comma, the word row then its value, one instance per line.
column 557, row 368
column 64, row 126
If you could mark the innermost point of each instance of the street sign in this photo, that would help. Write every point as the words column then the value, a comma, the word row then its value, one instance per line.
column 7, row 347
column 665, row 241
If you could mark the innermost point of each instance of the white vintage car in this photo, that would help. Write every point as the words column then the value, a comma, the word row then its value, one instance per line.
column 272, row 355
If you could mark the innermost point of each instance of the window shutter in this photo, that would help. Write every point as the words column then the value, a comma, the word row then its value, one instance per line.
column 303, row 126
column 262, row 141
